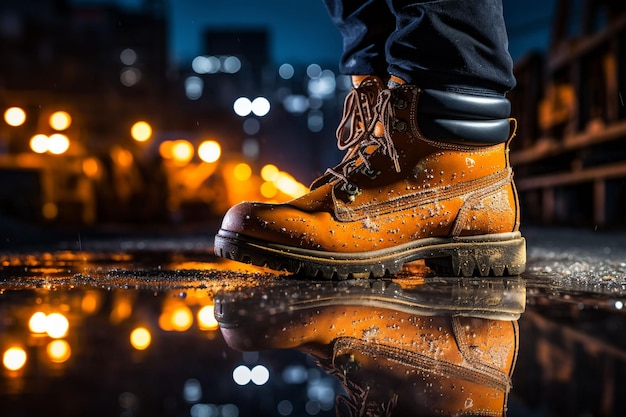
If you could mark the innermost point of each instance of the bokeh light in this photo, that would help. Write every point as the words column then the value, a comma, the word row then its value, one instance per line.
column 182, row 151
column 15, row 116
column 60, row 120
column 141, row 131
column 209, row 151
column 269, row 172
column 39, row 143
column 58, row 143
column 140, row 338
column 242, row 171
column 242, row 106
column 37, row 322
column 59, row 351
column 14, row 358
column 260, row 106
column 206, row 318
column 57, row 325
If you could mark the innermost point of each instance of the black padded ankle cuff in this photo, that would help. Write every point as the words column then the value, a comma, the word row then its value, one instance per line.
column 463, row 118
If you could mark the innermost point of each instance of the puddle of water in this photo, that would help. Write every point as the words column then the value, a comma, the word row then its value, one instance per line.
column 180, row 333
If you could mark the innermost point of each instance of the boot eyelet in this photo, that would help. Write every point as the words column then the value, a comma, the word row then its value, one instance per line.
column 400, row 104
column 399, row 125
column 351, row 189
column 370, row 172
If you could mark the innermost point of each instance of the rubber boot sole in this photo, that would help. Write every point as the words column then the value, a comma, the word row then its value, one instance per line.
column 502, row 254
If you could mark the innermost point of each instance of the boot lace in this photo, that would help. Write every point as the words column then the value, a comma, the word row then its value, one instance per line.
column 362, row 137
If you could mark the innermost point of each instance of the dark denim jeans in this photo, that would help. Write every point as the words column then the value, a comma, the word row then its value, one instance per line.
column 458, row 45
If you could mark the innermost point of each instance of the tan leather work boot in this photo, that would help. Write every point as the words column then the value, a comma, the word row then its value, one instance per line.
column 397, row 352
column 435, row 185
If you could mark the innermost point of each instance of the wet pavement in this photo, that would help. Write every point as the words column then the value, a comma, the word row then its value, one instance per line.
column 159, row 326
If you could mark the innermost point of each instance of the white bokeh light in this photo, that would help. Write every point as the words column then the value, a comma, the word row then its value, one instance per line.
column 261, row 106
column 242, row 106
column 242, row 375
column 259, row 375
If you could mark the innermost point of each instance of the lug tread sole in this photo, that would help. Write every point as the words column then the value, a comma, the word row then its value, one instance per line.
column 484, row 255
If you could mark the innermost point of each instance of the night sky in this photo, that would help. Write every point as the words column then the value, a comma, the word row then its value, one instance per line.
column 301, row 31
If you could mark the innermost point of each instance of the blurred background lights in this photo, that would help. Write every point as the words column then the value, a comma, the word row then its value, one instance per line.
column 57, row 325
column 130, row 76
column 209, row 151
column 241, row 375
column 251, row 126
column 324, row 85
column 286, row 71
column 58, row 143
column 60, row 120
column 269, row 172
column 250, row 148
column 182, row 151
column 268, row 189
column 194, row 87
column 259, row 375
column 182, row 319
column 294, row 374
column 140, row 338
column 228, row 410
column 141, row 131
column 204, row 410
column 313, row 71
column 315, row 121
column 37, row 322
column 206, row 318
column 205, row 65
column 242, row 171
column 14, row 358
column 296, row 103
column 284, row 408
column 39, row 143
column 230, row 64
column 192, row 391
column 128, row 56
column 242, row 106
column 58, row 351
column 15, row 116
column 260, row 106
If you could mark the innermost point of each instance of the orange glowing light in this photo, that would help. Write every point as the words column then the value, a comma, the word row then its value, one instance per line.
column 165, row 149
column 269, row 172
column 141, row 131
column 49, row 210
column 60, row 120
column 57, row 325
column 37, row 322
column 39, row 143
column 182, row 151
column 140, row 338
column 14, row 358
column 91, row 167
column 288, row 185
column 15, row 116
column 182, row 319
column 206, row 318
column 242, row 172
column 58, row 143
column 122, row 157
column 209, row 151
column 90, row 302
column 58, row 351
column 268, row 190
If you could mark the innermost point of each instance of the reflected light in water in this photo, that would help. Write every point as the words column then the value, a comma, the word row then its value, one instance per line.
column 182, row 319
column 57, row 325
column 90, row 302
column 206, row 318
column 37, row 322
column 14, row 358
column 140, row 338
column 58, row 351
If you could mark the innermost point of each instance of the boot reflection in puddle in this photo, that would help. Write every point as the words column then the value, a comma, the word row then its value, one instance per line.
column 446, row 347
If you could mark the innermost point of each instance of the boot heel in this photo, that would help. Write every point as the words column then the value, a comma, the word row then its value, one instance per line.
column 476, row 257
